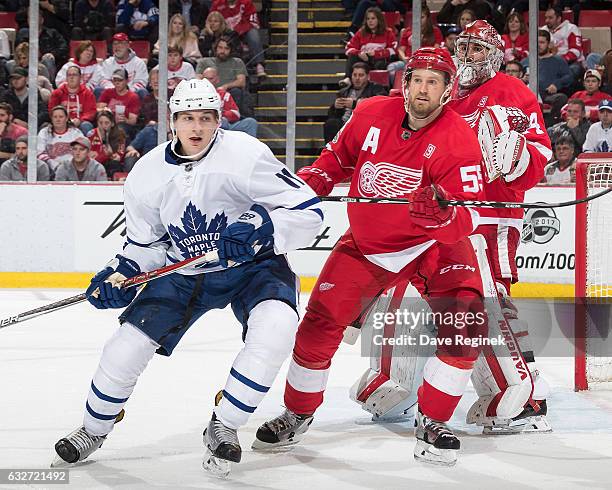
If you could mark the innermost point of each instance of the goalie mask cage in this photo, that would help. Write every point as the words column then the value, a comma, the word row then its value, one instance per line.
column 593, row 273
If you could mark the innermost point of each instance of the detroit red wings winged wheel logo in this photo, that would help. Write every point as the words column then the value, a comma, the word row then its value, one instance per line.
column 387, row 180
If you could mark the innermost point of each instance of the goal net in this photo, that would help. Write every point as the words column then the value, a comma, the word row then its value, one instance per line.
column 593, row 273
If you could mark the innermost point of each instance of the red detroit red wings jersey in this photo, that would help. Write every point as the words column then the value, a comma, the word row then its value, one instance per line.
column 382, row 159
column 507, row 91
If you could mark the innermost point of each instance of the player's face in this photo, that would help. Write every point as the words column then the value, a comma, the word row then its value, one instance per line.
column 471, row 52
column 425, row 91
column 591, row 84
column 195, row 129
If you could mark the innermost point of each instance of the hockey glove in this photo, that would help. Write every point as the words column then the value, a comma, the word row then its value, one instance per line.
column 105, row 291
column 317, row 179
column 425, row 210
column 238, row 240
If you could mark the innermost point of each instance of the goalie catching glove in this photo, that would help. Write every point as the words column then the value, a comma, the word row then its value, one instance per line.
column 238, row 240
column 105, row 289
column 425, row 210
column 504, row 148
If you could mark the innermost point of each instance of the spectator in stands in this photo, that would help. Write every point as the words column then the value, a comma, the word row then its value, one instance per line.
column 215, row 28
column 232, row 72
column 15, row 169
column 85, row 58
column 139, row 19
column 180, row 36
column 450, row 38
column 52, row 46
column 150, row 104
column 563, row 169
column 53, row 143
column 5, row 49
column 507, row 6
column 374, row 44
column 230, row 114
column 242, row 18
column 430, row 36
column 193, row 11
column 80, row 167
column 465, row 17
column 22, row 59
column 178, row 68
column 56, row 15
column 361, row 9
column 591, row 95
column 606, row 68
column 17, row 97
column 566, row 39
column 515, row 38
column 599, row 137
column 450, row 11
column 77, row 99
column 144, row 142
column 93, row 20
column 554, row 76
column 514, row 69
column 9, row 132
column 124, row 105
column 348, row 98
column 123, row 57
column 575, row 126
column 107, row 143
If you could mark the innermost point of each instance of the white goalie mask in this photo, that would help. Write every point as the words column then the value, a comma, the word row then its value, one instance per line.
column 194, row 95
column 478, row 34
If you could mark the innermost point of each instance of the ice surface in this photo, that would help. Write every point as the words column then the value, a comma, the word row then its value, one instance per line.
column 46, row 366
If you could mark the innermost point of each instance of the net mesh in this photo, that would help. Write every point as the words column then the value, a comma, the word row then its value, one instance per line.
column 599, row 273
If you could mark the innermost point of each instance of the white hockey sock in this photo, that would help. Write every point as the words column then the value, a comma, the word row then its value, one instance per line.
column 270, row 337
column 124, row 358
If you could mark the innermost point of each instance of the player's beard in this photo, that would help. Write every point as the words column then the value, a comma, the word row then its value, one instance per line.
column 421, row 111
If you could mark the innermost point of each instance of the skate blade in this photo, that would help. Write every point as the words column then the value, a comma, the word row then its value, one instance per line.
column 217, row 467
column 427, row 453
column 530, row 425
column 282, row 446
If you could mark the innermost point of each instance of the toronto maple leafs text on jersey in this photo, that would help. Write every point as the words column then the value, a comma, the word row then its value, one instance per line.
column 177, row 210
column 384, row 159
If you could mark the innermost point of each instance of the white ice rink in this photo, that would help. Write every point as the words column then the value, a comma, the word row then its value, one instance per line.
column 46, row 366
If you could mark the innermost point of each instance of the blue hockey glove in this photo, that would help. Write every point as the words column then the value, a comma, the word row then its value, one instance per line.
column 237, row 241
column 104, row 291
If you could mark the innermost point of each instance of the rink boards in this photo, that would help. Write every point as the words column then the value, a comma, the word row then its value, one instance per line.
column 58, row 235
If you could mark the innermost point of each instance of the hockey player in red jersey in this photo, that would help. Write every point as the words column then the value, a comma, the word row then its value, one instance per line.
column 415, row 148
column 507, row 119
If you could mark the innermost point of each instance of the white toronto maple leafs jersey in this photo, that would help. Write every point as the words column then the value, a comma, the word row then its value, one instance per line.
column 177, row 210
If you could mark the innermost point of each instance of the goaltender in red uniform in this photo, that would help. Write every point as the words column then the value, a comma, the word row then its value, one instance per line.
column 416, row 148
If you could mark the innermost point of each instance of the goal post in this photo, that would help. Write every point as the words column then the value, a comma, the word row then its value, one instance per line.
column 593, row 273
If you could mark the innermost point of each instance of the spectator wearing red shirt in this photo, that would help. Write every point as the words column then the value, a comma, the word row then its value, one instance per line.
column 430, row 36
column 241, row 17
column 515, row 38
column 373, row 44
column 591, row 95
column 9, row 132
column 78, row 100
column 124, row 104
column 107, row 143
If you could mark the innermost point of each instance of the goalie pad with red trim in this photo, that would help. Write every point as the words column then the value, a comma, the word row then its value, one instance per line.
column 504, row 148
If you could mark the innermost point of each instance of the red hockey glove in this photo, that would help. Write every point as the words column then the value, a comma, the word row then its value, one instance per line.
column 317, row 179
column 425, row 210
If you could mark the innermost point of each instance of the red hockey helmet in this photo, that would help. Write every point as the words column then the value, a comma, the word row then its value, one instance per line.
column 483, row 36
column 438, row 59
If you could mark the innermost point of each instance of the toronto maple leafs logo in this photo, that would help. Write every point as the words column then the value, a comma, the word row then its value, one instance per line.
column 387, row 180
column 196, row 237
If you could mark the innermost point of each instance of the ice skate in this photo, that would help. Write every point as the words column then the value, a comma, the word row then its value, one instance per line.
column 436, row 443
column 78, row 445
column 222, row 448
column 529, row 420
column 285, row 430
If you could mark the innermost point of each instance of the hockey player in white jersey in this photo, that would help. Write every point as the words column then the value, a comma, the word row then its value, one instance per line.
column 207, row 189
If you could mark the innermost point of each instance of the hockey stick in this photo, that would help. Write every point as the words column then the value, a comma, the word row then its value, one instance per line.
column 470, row 204
column 132, row 281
